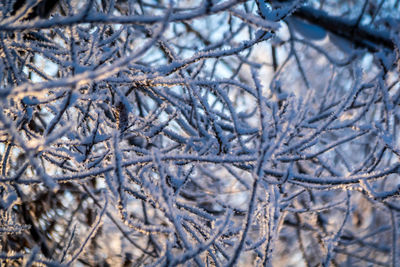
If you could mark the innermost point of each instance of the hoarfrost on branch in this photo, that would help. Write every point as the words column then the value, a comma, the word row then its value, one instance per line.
column 209, row 133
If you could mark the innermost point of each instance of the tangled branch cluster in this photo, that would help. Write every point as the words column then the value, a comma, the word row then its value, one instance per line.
column 212, row 133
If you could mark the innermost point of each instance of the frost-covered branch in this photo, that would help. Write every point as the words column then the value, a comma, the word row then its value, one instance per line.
column 209, row 133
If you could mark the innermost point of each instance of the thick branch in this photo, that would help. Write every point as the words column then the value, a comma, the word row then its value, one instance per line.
column 360, row 35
